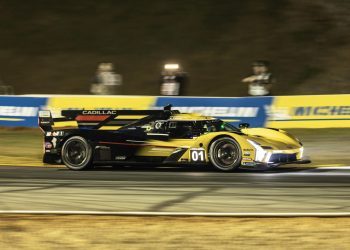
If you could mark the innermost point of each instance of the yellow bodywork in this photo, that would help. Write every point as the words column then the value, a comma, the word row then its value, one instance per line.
column 273, row 141
column 278, row 141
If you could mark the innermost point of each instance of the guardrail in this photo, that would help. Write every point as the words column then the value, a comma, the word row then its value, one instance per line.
column 318, row 111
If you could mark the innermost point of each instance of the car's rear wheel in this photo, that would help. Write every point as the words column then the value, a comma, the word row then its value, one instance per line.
column 225, row 154
column 77, row 153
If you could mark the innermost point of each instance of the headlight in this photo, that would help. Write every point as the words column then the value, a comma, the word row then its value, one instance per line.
column 301, row 152
column 261, row 155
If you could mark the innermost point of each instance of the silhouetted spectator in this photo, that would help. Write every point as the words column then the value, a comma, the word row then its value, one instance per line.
column 173, row 80
column 106, row 81
column 260, row 83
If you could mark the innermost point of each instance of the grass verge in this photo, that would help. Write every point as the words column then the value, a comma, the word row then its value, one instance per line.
column 21, row 147
column 106, row 232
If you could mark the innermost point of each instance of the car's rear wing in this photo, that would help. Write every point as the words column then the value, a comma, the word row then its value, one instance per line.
column 101, row 119
column 45, row 120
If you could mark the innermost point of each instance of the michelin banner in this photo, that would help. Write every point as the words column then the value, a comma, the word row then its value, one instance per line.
column 281, row 112
column 21, row 111
column 233, row 110
column 322, row 111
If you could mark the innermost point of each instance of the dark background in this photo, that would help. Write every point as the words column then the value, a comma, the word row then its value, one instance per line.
column 55, row 46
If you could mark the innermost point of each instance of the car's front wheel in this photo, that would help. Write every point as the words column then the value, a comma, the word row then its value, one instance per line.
column 225, row 154
column 77, row 153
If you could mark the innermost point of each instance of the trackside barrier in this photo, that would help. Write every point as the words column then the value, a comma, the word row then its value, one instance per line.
column 320, row 111
column 20, row 111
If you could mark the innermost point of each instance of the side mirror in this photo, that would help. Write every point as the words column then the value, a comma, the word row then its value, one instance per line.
column 168, row 107
column 244, row 125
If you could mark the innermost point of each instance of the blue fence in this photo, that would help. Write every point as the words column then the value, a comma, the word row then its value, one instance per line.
column 20, row 111
column 281, row 112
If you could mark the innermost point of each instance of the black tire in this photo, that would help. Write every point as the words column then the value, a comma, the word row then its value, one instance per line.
column 225, row 154
column 77, row 153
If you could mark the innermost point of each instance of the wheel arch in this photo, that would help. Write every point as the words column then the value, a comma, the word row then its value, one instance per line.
column 235, row 137
column 70, row 134
column 218, row 136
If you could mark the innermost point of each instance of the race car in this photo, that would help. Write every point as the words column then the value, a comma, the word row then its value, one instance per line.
column 82, row 139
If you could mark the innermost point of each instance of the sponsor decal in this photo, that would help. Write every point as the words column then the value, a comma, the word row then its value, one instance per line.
column 57, row 103
column 158, row 125
column 55, row 133
column 120, row 157
column 249, row 164
column 247, row 159
column 99, row 112
column 45, row 122
column 48, row 145
column 197, row 154
column 54, row 142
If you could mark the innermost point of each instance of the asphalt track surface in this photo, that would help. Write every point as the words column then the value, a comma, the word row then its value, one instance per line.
column 287, row 190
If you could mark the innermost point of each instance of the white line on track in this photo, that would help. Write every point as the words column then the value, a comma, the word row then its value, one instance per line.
column 336, row 168
column 319, row 171
column 205, row 214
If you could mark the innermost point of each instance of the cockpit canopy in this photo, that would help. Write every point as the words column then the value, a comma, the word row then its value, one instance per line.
column 188, row 128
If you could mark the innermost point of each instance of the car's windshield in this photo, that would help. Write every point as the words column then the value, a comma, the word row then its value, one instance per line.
column 188, row 129
column 218, row 125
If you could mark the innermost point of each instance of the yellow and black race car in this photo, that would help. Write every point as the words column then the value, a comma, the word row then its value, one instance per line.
column 81, row 139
